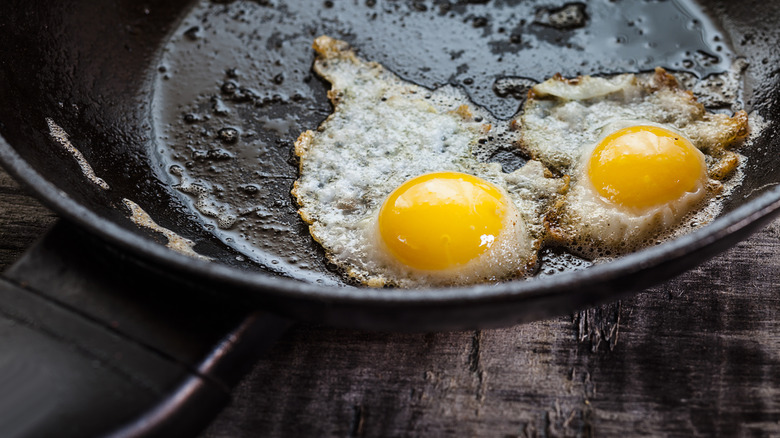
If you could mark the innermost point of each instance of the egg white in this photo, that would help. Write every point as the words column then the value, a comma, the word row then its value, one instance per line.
column 385, row 131
column 562, row 117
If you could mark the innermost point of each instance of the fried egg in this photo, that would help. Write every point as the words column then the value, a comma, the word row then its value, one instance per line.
column 391, row 189
column 395, row 187
column 642, row 153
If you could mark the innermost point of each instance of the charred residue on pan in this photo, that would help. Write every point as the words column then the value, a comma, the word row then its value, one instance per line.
column 234, row 87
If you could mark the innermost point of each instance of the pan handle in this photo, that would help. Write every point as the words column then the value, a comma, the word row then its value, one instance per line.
column 93, row 344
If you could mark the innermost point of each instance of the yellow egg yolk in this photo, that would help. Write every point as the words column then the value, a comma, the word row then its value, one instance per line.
column 645, row 166
column 441, row 220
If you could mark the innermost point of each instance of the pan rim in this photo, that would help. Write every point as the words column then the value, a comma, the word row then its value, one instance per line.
column 763, row 207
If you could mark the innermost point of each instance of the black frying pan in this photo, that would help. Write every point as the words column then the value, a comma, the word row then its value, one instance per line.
column 97, row 69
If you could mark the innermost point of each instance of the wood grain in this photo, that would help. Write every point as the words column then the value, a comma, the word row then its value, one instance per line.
column 699, row 356
column 22, row 220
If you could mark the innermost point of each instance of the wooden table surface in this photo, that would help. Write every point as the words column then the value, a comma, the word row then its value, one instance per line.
column 698, row 356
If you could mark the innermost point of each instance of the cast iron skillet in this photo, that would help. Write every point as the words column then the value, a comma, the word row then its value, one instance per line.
column 91, row 68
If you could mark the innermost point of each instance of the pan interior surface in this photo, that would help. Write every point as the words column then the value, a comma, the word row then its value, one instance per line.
column 131, row 85
column 234, row 89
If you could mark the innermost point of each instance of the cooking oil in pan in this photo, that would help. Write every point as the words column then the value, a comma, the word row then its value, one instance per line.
column 234, row 89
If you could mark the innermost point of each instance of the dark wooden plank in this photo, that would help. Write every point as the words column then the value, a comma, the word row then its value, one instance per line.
column 22, row 220
column 698, row 356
